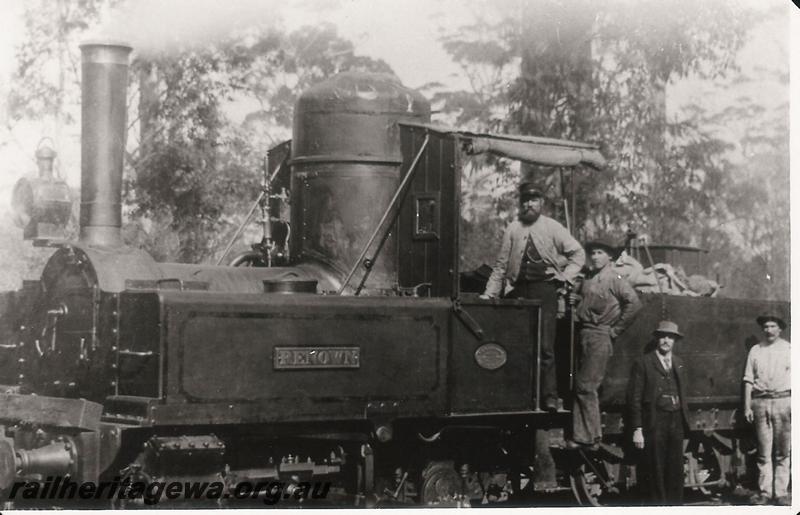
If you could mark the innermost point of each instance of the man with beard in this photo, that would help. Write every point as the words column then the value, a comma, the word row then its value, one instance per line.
column 768, row 404
column 537, row 256
column 607, row 306
column 659, row 416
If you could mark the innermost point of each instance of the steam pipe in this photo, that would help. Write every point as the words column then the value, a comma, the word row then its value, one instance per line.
column 104, row 71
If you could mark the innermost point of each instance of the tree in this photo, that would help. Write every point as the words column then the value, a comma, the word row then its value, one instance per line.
column 598, row 73
column 44, row 92
column 195, row 173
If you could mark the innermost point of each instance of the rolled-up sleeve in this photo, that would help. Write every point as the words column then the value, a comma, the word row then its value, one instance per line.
column 495, row 283
column 749, row 373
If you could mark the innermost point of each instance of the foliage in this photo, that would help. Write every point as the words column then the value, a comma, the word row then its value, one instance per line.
column 195, row 173
column 598, row 72
column 191, row 172
column 45, row 87
column 47, row 74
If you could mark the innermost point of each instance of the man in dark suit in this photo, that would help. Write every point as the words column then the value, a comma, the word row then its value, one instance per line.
column 659, row 415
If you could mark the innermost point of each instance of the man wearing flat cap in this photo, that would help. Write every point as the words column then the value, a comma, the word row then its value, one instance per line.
column 607, row 306
column 767, row 404
column 659, row 416
column 537, row 255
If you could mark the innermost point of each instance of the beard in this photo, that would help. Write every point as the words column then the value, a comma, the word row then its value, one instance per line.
column 528, row 216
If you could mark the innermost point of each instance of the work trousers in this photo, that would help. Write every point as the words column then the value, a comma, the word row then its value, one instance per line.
column 773, row 421
column 547, row 293
column 663, row 458
column 596, row 348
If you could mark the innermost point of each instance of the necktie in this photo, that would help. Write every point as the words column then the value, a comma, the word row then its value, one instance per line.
column 668, row 364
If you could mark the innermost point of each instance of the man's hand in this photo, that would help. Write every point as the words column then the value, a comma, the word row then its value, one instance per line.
column 748, row 415
column 574, row 298
column 638, row 438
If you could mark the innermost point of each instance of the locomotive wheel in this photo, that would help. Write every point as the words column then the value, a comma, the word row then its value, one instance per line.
column 703, row 472
column 441, row 485
column 590, row 482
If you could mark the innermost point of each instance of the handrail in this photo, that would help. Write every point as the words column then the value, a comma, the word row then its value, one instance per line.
column 395, row 199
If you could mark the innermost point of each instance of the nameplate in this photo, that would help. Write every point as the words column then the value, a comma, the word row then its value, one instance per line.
column 293, row 358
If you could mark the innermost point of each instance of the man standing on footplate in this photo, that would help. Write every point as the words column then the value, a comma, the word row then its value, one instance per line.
column 537, row 256
column 607, row 306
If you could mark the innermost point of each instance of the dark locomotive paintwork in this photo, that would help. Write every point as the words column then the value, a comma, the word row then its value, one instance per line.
column 182, row 368
column 346, row 166
column 719, row 334
column 104, row 81
column 190, row 365
column 427, row 225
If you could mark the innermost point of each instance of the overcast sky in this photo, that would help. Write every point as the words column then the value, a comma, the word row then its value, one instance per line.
column 402, row 32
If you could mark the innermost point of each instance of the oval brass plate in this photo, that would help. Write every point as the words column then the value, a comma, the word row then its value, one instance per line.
column 491, row 356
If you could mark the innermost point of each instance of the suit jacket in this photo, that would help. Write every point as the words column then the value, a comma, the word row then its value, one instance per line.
column 642, row 390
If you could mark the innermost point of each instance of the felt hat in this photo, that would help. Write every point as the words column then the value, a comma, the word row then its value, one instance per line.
column 667, row 327
column 602, row 245
column 763, row 319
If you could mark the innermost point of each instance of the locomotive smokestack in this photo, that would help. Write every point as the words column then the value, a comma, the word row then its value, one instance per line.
column 103, row 109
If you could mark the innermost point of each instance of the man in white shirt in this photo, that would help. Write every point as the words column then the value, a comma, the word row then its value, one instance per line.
column 767, row 404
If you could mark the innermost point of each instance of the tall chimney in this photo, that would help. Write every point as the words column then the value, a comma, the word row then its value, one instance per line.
column 103, row 109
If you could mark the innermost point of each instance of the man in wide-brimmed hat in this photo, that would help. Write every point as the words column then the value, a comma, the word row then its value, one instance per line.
column 767, row 404
column 607, row 305
column 537, row 256
column 659, row 416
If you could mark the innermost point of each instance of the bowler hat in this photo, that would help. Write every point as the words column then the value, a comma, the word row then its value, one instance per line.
column 667, row 327
column 763, row 319
column 529, row 189
column 602, row 245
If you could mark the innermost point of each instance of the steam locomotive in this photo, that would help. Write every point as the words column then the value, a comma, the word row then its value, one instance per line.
column 367, row 361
